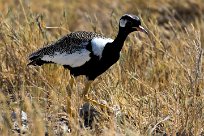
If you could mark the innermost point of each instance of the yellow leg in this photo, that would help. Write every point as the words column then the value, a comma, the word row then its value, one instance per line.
column 87, row 99
column 69, row 92
column 86, row 89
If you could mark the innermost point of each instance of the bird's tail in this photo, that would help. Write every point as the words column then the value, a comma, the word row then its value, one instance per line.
column 35, row 60
column 32, row 63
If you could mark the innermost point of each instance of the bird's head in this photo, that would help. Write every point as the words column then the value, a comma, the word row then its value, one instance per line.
column 131, row 23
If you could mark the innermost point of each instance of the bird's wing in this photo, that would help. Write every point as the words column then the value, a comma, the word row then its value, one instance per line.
column 69, row 50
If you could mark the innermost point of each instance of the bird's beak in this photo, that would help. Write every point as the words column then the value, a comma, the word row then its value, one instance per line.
column 141, row 29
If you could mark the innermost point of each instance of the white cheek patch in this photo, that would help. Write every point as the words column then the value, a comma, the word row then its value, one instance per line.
column 123, row 22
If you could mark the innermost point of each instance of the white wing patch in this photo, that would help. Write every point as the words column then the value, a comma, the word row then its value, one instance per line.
column 98, row 45
column 75, row 59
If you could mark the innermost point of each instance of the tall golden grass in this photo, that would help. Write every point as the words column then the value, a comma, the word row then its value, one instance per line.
column 157, row 83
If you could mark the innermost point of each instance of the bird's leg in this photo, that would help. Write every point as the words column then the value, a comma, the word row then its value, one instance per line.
column 69, row 92
column 87, row 99
column 87, row 87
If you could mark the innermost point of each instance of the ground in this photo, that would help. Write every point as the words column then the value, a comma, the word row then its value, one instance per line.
column 156, row 88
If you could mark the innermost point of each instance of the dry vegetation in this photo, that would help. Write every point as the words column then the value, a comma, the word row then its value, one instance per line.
column 158, row 82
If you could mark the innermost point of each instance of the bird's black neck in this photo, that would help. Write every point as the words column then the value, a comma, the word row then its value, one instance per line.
column 119, row 40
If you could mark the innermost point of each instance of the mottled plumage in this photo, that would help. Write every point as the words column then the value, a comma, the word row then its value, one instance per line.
column 70, row 43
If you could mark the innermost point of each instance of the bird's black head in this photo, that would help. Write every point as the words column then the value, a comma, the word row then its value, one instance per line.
column 130, row 23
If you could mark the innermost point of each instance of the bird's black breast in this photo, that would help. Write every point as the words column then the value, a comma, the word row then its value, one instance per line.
column 96, row 66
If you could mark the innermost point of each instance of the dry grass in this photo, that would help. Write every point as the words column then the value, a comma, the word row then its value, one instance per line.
column 157, row 82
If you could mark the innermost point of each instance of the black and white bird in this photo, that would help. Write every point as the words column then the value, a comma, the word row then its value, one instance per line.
column 87, row 53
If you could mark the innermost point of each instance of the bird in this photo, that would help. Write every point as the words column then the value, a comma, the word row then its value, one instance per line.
column 87, row 53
